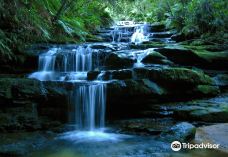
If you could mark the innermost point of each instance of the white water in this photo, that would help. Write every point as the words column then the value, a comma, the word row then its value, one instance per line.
column 89, row 109
column 139, row 35
column 47, row 60
column 64, row 65
column 88, row 99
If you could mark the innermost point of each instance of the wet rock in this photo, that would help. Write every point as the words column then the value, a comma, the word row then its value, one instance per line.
column 92, row 75
column 143, row 126
column 154, row 57
column 203, row 111
column 102, row 46
column 115, row 61
column 122, row 74
column 183, row 132
column 23, row 102
column 207, row 90
column 141, row 72
column 181, row 55
column 214, row 134
column 179, row 81
column 179, row 76
column 195, row 56
column 22, row 144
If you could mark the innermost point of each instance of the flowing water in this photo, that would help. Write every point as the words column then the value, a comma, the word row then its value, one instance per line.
column 88, row 98
column 88, row 136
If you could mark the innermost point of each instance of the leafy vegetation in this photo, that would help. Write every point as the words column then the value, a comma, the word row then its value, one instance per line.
column 23, row 22
column 205, row 18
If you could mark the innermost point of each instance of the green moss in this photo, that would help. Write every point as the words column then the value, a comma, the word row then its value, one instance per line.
column 208, row 90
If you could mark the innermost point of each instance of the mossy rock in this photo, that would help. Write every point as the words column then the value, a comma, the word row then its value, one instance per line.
column 179, row 76
column 154, row 57
column 115, row 61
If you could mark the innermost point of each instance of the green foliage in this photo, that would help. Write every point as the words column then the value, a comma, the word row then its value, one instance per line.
column 23, row 22
column 199, row 16
column 191, row 17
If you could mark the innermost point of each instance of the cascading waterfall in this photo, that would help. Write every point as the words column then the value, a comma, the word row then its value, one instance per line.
column 47, row 60
column 89, row 109
column 138, row 36
column 116, row 34
column 88, row 98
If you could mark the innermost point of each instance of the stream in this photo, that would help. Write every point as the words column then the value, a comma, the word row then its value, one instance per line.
column 89, row 132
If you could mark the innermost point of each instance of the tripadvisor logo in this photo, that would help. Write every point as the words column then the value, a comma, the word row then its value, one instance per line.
column 176, row 146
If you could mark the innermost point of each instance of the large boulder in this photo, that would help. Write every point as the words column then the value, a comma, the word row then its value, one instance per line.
column 181, row 55
column 197, row 56
column 154, row 57
column 174, row 76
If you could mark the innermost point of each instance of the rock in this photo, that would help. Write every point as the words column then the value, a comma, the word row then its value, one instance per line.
column 179, row 81
column 141, row 72
column 122, row 74
column 92, row 75
column 102, row 46
column 213, row 134
column 143, row 126
column 178, row 37
column 122, row 95
column 181, row 55
column 23, row 103
column 179, row 76
column 154, row 57
column 207, row 90
column 23, row 144
column 203, row 112
column 115, row 61
column 183, row 132
column 195, row 56
column 157, row 27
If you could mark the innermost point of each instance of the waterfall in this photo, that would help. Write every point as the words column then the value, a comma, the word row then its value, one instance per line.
column 47, row 60
column 89, row 109
column 139, row 35
column 59, row 64
column 116, row 34
column 87, row 99
column 77, row 60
